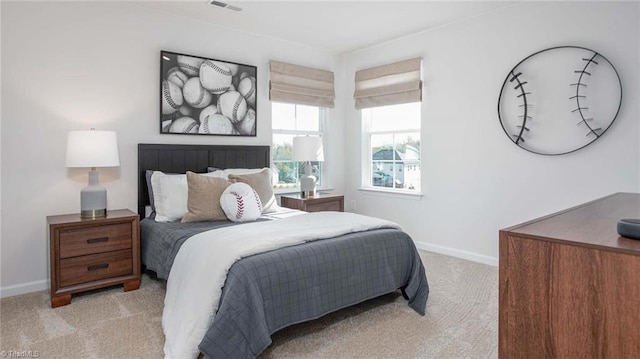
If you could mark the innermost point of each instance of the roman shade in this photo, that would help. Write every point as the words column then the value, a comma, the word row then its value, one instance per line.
column 300, row 85
column 391, row 84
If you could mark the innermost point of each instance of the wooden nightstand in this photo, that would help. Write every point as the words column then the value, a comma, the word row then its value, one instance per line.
column 321, row 202
column 93, row 253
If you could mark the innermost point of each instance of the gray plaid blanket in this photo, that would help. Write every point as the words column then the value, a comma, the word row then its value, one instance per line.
column 269, row 291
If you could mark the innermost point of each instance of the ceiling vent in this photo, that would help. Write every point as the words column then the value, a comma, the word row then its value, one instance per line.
column 225, row 5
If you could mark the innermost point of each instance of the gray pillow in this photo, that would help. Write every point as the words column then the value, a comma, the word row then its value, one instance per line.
column 147, row 176
column 261, row 182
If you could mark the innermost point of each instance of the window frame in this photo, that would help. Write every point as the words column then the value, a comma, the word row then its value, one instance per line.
column 367, row 162
column 323, row 113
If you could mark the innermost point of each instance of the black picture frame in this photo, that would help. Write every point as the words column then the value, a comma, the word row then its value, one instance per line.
column 205, row 96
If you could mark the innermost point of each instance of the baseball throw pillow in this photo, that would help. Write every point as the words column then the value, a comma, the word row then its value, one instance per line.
column 241, row 203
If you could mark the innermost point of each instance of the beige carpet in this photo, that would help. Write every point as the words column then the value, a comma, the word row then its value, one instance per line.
column 461, row 322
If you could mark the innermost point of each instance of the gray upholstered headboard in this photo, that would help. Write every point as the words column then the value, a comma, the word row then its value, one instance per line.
column 182, row 158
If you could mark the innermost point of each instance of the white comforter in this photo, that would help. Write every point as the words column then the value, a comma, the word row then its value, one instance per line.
column 200, row 267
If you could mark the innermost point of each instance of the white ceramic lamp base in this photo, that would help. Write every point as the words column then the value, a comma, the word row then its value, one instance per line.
column 93, row 198
column 308, row 186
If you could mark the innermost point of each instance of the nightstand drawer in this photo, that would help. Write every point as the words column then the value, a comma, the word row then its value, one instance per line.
column 321, row 202
column 325, row 206
column 95, row 266
column 83, row 241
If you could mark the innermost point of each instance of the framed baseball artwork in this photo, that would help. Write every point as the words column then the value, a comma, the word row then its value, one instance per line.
column 202, row 96
column 559, row 100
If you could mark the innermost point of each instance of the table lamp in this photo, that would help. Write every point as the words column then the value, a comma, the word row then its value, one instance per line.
column 307, row 149
column 92, row 149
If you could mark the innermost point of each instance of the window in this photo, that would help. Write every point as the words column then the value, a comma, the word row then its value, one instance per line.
column 289, row 121
column 392, row 139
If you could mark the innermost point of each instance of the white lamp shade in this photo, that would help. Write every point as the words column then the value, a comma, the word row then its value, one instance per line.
column 92, row 149
column 307, row 148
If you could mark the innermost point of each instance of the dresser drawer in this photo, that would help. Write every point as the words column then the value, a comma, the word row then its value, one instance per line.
column 94, row 267
column 83, row 241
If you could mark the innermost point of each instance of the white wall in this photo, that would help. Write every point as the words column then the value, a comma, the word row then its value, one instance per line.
column 475, row 180
column 77, row 65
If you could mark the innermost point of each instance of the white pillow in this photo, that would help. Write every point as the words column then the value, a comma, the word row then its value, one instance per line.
column 170, row 194
column 241, row 203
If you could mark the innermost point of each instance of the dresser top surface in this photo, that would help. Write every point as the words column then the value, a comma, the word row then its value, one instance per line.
column 590, row 224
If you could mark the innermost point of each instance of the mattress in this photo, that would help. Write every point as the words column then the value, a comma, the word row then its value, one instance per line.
column 160, row 242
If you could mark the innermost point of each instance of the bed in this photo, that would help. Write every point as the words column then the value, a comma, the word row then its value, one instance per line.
column 267, row 291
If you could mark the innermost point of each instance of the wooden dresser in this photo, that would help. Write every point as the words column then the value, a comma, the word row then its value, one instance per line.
column 321, row 202
column 93, row 253
column 570, row 285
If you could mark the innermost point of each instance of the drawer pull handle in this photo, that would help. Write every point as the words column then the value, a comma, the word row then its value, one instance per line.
column 98, row 266
column 97, row 240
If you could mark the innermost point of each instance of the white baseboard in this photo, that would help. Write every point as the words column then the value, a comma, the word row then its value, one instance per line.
column 11, row 290
column 492, row 261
